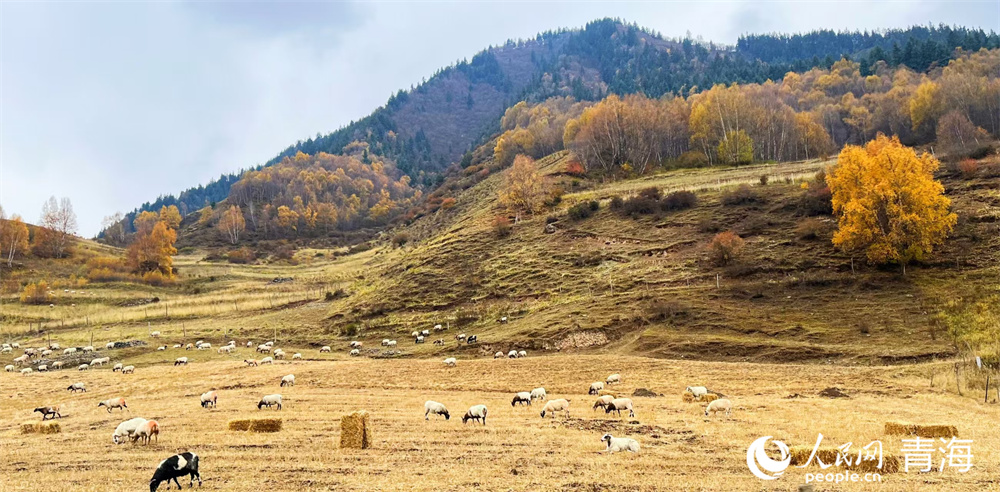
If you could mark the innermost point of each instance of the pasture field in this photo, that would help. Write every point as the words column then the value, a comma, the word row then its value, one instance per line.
column 516, row 450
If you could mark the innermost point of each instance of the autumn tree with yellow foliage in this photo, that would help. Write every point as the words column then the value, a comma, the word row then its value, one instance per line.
column 151, row 253
column 523, row 190
column 232, row 224
column 888, row 203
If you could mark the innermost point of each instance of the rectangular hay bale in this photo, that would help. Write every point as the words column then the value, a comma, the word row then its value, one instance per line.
column 800, row 455
column 239, row 425
column 356, row 430
column 708, row 397
column 37, row 427
column 687, row 397
column 265, row 425
column 932, row 430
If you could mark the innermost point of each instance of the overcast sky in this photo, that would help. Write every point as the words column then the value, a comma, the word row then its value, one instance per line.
column 114, row 103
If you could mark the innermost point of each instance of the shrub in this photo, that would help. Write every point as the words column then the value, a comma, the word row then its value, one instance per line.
column 652, row 193
column 679, row 200
column 763, row 180
column 594, row 205
column 157, row 278
column 555, row 196
column 575, row 168
column 349, row 330
column 106, row 269
column 583, row 210
column 968, row 167
column 640, row 205
column 692, row 158
column 725, row 248
column 617, row 203
column 240, row 256
column 400, row 239
column 337, row 294
column 817, row 198
column 502, row 226
column 284, row 252
column 708, row 225
column 810, row 229
column 981, row 152
column 36, row 293
column 447, row 203
column 741, row 195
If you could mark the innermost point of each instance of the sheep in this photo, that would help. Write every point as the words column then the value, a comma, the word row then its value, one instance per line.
column 210, row 398
column 26, row 371
column 356, row 344
column 204, row 346
column 269, row 401
column 720, row 405
column 498, row 355
column 355, row 353
column 225, row 349
column 503, row 319
column 128, row 370
column 426, row 333
column 21, row 360
column 476, row 412
column 595, row 388
column 460, row 336
column 538, row 394
column 279, row 354
column 9, row 368
column 296, row 356
column 266, row 360
column 419, row 339
column 109, row 345
column 392, row 343
column 697, row 391
column 264, row 349
column 69, row 350
column 557, row 405
column 43, row 368
column 77, row 387
column 619, row 444
column 100, row 361
column 117, row 367
column 433, row 407
column 523, row 397
column 603, row 401
column 438, row 327
column 6, row 350
column 325, row 349
column 177, row 345
column 619, row 404
column 83, row 367
column 450, row 362
column 18, row 345
column 189, row 346
column 146, row 431
column 385, row 342
column 48, row 412
column 154, row 334
column 53, row 346
column 269, row 344
column 249, row 344
column 512, row 354
column 250, row 363
column 30, row 352
column 288, row 380
column 88, row 349
column 522, row 353
column 126, row 429
column 57, row 364
column 161, row 348
column 414, row 334
column 175, row 466
column 614, row 379
column 439, row 341
column 118, row 403
column 181, row 361
column 472, row 339
column 46, row 353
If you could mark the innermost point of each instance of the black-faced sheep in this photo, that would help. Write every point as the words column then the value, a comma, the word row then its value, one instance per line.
column 619, row 404
column 433, row 407
column 523, row 397
column 472, row 339
column 476, row 412
column 173, row 467
column 269, row 401
column 77, row 387
column 558, row 405
column 209, row 399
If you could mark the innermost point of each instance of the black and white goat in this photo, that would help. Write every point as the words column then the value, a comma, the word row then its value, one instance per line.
column 175, row 466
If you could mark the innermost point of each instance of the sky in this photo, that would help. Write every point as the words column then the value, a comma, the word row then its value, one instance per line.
column 114, row 103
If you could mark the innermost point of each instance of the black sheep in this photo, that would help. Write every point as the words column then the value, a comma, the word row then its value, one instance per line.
column 175, row 466
column 472, row 339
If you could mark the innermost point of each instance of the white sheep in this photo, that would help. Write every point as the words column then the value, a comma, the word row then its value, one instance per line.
column 450, row 362
column 177, row 345
column 355, row 353
column 720, row 405
column 21, row 360
column 6, row 350
column 9, row 368
column 433, row 407
column 279, row 354
column 438, row 328
column 356, row 344
column 88, row 348
column 415, row 334
column 57, row 364
column 83, row 367
column 503, row 319
column 249, row 344
column 126, row 429
column 296, row 356
column 476, row 412
column 18, row 345
column 43, row 368
column 266, row 360
column 128, row 370
column 264, row 349
column 269, row 344
column 512, row 354
column 498, row 355
column 46, row 353
column 69, row 350
column 426, row 333
column 522, row 397
column 26, row 371
column 325, row 349
column 154, row 334
column 619, row 444
column 77, row 387
column 392, row 343
column 288, row 380
column 109, row 345
column 557, row 405
column 210, row 398
column 100, row 361
column 113, row 403
column 522, row 353
column 54, row 346
column 460, row 336
column 697, row 391
column 225, row 349
column 603, row 401
column 204, row 346
column 538, row 394
column 181, row 361
column 614, row 379
column 269, row 401
column 619, row 404
column 595, row 388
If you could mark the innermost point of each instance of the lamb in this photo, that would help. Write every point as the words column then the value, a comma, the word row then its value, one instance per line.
column 173, row 467
column 614, row 379
column 155, row 334
column 126, row 429
column 9, row 368
column 720, row 405
column 266, row 360
column 619, row 404
column 538, row 394
column 476, row 412
column 523, row 397
column 603, row 401
column 433, row 407
column 83, row 367
column 117, row 367
column 288, row 380
column 128, row 370
column 181, row 361
column 355, row 353
column 512, row 354
column 522, row 353
column 498, row 355
column 49, row 412
column 619, row 444
column 112, row 403
column 210, row 398
column 595, row 388
column 296, row 356
column 146, row 431
column 697, row 391
column 269, row 401
column 325, row 349
column 77, row 387
column 450, row 362
column 557, row 405
column 26, row 371
column 250, row 363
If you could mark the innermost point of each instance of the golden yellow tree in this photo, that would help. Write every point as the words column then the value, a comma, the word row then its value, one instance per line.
column 13, row 237
column 144, row 222
column 152, row 250
column 522, row 190
column 232, row 224
column 171, row 216
column 888, row 203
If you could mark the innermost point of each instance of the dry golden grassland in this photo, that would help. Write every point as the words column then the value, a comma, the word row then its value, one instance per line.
column 516, row 449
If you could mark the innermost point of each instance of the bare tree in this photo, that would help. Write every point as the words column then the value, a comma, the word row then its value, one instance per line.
column 114, row 228
column 61, row 220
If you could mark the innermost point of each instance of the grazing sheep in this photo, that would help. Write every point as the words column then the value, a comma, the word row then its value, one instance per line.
column 460, row 336
column 325, row 349
column 189, row 346
column 204, row 346
column 266, row 360
column 595, row 388
column 279, row 354
column 269, row 401
column 126, row 429
column 83, row 367
column 512, row 354
column 9, row 368
column 433, row 407
column 450, row 362
column 392, row 343
column 269, row 344
column 498, row 355
column 523, row 397
column 70, row 350
column 128, row 370
column 22, row 360
column 426, row 333
column 439, row 341
column 77, row 387
column 181, row 361
column 249, row 344
column 225, row 349
column 503, row 319
column 288, row 380
column 210, row 398
column 538, row 394
column 250, row 363
column 43, row 368
column 419, row 339
column 173, row 467
column 296, row 356
column 100, row 361
column 438, row 328
column 57, row 364
column 26, row 371
column 619, row 404
column 355, row 353
column 54, row 346
column 46, row 353
column 557, row 405
column 6, row 350
column 476, row 412
column 697, row 391
column 88, row 349
column 603, row 401
column 109, row 345
column 154, row 334
column 522, row 353
column 118, row 403
column 385, row 342
column 177, row 345
column 472, row 339
column 414, row 334
column 264, row 349
column 614, row 379
column 720, row 405
column 356, row 344
column 619, row 444
column 49, row 412
column 18, row 345
column 146, row 431
column 117, row 367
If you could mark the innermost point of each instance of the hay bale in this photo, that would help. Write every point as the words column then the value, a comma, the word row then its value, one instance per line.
column 356, row 430
column 265, row 425
column 36, row 427
column 931, row 430
column 890, row 464
column 687, row 397
column 708, row 397
column 239, row 425
column 800, row 455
